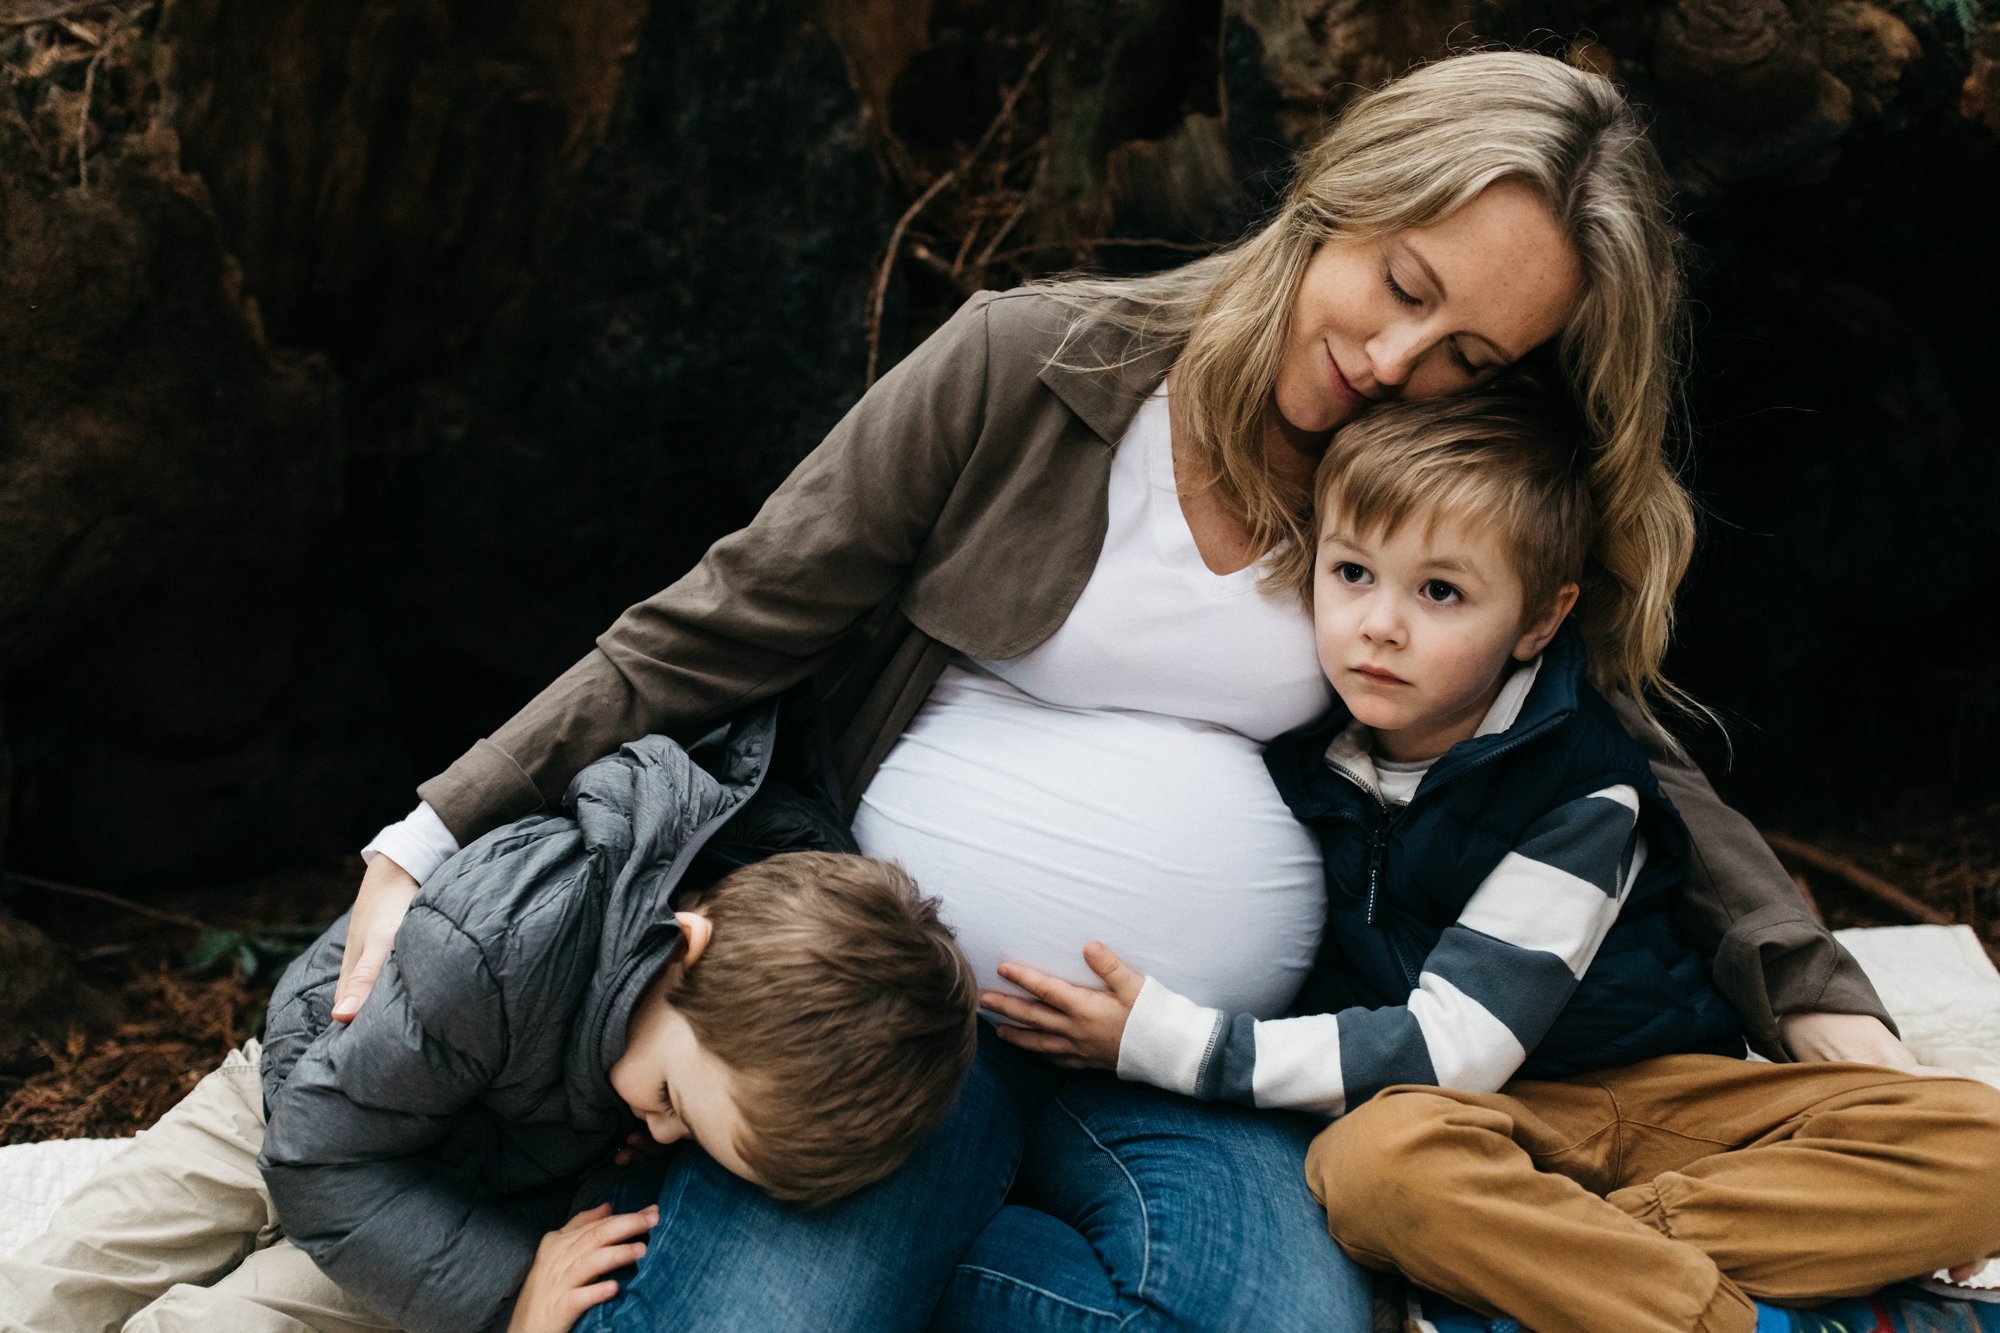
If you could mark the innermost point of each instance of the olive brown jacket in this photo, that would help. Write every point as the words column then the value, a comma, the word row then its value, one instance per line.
column 961, row 506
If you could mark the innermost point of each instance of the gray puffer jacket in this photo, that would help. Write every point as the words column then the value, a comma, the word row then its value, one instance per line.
column 419, row 1153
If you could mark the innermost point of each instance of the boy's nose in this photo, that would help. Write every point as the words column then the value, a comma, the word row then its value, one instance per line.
column 1381, row 624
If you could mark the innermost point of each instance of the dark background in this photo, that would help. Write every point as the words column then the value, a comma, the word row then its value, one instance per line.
column 361, row 359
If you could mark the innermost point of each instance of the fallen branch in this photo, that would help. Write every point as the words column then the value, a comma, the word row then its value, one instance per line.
column 880, row 294
column 1881, row 890
column 99, row 895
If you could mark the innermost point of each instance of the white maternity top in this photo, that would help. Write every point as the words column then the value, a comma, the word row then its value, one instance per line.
column 1109, row 784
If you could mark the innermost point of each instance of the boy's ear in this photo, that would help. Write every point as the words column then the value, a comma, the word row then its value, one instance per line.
column 1535, row 635
column 698, row 930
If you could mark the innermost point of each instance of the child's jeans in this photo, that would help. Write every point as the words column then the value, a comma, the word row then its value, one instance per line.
column 177, row 1232
column 1662, row 1197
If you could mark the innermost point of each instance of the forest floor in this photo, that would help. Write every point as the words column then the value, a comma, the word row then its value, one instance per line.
column 189, row 994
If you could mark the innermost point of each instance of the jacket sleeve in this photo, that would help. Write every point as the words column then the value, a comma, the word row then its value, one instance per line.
column 1769, row 954
column 762, row 608
column 1489, row 991
column 353, row 1148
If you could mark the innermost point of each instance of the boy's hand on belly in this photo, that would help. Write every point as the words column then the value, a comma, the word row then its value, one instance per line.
column 1073, row 1025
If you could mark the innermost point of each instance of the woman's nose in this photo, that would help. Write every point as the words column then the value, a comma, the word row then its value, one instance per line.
column 666, row 1128
column 1393, row 354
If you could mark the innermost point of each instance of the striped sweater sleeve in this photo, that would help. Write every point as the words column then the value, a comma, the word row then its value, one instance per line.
column 1489, row 991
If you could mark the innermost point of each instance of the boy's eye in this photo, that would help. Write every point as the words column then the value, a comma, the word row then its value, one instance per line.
column 1437, row 590
column 1349, row 572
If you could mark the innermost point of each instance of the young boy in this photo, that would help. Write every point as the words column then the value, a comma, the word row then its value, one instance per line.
column 804, row 1018
column 1500, row 866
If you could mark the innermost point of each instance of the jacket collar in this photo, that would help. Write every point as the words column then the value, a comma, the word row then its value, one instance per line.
column 644, row 814
column 1299, row 760
column 1100, row 376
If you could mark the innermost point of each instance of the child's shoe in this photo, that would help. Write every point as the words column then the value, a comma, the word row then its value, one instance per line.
column 1428, row 1312
column 1897, row 1310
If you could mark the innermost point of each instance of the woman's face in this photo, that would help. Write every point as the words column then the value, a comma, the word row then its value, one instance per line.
column 1424, row 312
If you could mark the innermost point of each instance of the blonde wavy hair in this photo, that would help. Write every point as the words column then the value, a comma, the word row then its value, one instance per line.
column 1407, row 155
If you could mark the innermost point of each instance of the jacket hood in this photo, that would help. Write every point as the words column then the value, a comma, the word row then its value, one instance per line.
column 643, row 814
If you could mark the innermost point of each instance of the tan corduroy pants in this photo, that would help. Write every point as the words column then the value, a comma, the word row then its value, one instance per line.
column 1660, row 1198
column 177, row 1233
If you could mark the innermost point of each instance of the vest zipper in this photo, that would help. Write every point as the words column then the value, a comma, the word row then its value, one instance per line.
column 1378, row 840
column 1378, row 843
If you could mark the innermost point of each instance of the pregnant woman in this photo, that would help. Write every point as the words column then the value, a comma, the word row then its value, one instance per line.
column 1025, row 571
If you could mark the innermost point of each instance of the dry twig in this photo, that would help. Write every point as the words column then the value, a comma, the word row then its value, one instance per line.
column 99, row 895
column 880, row 294
column 83, row 115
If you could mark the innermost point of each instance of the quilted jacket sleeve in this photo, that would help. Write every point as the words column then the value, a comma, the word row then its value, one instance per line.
column 352, row 1150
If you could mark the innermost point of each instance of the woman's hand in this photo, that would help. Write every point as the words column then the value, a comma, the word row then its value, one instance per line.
column 564, row 1281
column 1072, row 1025
column 385, row 895
column 1855, row 1038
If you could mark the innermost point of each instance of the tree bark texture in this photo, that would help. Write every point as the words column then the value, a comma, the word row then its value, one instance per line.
column 364, row 357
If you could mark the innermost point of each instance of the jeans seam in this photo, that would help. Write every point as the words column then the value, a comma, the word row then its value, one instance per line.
column 1042, row 1292
column 1145, row 1215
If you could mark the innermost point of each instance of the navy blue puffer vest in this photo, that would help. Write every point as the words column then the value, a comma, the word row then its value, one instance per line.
column 1396, row 878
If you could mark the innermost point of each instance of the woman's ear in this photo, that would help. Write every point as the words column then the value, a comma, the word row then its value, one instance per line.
column 1535, row 635
column 698, row 930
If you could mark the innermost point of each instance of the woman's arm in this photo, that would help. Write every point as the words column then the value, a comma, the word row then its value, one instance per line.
column 764, row 605
column 1772, row 959
column 1490, row 990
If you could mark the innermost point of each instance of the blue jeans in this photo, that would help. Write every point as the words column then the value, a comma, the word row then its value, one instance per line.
column 1046, row 1201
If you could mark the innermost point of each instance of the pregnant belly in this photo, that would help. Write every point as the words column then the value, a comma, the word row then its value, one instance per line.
column 1040, row 828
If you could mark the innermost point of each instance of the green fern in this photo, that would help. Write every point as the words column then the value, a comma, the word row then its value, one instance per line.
column 259, row 954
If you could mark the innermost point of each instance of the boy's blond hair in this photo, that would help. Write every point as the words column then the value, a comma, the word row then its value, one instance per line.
column 1503, row 461
column 842, row 1006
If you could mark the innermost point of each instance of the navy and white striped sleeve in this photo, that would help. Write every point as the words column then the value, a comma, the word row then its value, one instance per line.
column 1490, row 989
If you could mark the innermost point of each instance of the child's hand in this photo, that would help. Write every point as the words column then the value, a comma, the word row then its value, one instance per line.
column 1070, row 1024
column 565, row 1280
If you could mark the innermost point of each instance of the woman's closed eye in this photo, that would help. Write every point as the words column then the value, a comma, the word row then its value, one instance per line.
column 667, row 1101
column 1397, row 290
column 1404, row 296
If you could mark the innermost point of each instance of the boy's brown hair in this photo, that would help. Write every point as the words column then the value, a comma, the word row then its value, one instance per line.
column 842, row 1006
column 1502, row 460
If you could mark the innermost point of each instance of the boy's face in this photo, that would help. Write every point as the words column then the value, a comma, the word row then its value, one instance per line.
column 1416, row 630
column 675, row 1085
